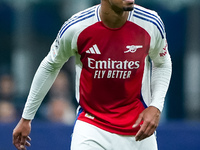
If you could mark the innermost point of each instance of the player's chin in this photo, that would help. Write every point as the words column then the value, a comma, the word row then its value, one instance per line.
column 128, row 8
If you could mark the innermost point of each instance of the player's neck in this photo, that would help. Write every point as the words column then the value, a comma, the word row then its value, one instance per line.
column 113, row 19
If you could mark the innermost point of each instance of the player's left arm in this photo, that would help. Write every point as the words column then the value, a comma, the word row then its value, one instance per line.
column 161, row 75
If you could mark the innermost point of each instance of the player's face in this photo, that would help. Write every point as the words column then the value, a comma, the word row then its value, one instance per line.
column 126, row 5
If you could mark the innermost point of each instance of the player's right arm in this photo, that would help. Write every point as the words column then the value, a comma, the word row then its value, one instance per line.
column 42, row 81
column 44, row 77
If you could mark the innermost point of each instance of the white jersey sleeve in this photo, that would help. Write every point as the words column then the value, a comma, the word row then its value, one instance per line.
column 161, row 71
column 47, row 72
column 157, row 77
column 43, row 79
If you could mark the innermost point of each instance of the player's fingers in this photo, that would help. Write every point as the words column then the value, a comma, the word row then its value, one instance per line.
column 137, row 122
column 28, row 138
column 16, row 143
column 148, row 132
column 28, row 144
column 23, row 142
column 16, row 140
column 22, row 147
column 141, row 132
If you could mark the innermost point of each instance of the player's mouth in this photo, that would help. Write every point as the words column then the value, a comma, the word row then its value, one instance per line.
column 128, row 5
column 129, row 2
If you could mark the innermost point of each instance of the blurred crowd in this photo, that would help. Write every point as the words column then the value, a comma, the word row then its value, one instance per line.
column 7, row 102
column 56, row 107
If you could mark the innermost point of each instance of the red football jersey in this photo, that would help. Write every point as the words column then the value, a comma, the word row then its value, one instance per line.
column 113, row 68
column 111, row 77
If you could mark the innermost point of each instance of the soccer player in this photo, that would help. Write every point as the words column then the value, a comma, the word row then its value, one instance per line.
column 123, row 71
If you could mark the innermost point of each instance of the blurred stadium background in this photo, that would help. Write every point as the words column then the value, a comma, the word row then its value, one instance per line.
column 27, row 29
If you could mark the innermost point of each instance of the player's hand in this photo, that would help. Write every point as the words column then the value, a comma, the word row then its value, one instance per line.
column 150, row 117
column 21, row 133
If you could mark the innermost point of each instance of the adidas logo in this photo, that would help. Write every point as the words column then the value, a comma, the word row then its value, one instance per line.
column 93, row 50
